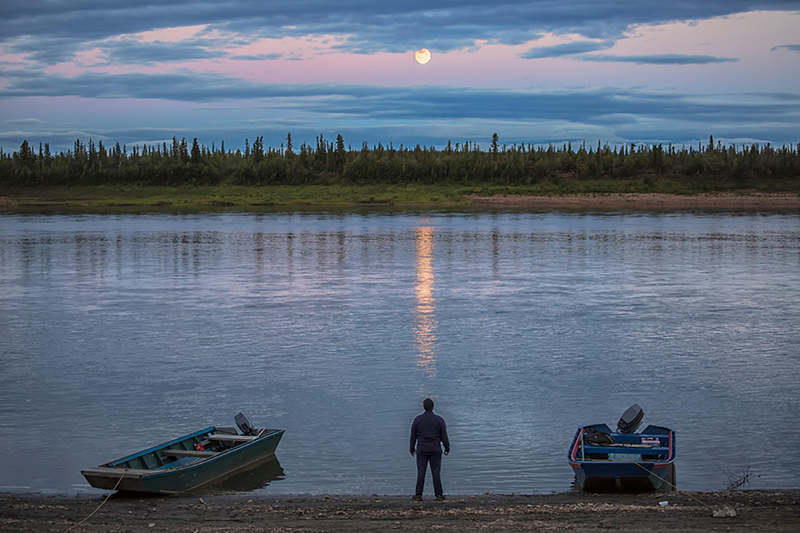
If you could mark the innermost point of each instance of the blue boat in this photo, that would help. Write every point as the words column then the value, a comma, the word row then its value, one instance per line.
column 187, row 463
column 624, row 459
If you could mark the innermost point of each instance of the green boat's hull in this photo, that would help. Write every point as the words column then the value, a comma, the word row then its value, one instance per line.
column 149, row 471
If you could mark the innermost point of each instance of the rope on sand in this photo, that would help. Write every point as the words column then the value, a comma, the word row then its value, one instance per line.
column 101, row 503
column 723, row 512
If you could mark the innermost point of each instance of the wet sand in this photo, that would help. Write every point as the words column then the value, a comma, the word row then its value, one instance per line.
column 727, row 200
column 773, row 511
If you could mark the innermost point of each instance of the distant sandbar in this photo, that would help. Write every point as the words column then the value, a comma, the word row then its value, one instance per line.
column 726, row 200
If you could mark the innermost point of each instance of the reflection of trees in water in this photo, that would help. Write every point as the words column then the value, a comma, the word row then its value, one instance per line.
column 256, row 478
column 425, row 328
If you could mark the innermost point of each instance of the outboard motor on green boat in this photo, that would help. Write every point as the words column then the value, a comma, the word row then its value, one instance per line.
column 630, row 420
column 244, row 424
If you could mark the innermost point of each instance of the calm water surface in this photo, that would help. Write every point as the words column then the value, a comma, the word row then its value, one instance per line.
column 120, row 331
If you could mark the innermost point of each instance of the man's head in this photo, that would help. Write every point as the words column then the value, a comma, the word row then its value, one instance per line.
column 428, row 404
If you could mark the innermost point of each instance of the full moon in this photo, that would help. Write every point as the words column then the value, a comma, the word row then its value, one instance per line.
column 422, row 56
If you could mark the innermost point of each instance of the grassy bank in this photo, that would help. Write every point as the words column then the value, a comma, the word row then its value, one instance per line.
column 220, row 196
column 188, row 197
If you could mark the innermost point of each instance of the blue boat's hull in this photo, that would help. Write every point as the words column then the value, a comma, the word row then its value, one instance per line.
column 626, row 464
column 195, row 469
column 633, row 476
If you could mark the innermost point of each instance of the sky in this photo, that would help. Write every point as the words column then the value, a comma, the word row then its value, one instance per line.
column 534, row 72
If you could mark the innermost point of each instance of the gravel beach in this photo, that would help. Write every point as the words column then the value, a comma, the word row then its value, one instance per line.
column 577, row 512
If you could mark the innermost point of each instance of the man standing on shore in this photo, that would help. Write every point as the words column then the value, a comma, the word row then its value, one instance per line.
column 428, row 434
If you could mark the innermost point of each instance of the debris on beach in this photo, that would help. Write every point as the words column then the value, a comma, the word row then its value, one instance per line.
column 726, row 511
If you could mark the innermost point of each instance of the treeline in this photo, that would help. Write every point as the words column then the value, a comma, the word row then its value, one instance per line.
column 330, row 162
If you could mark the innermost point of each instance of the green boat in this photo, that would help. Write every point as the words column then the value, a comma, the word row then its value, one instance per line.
column 187, row 463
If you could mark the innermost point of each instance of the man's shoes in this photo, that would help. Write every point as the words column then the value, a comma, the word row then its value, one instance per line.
column 417, row 497
column 440, row 498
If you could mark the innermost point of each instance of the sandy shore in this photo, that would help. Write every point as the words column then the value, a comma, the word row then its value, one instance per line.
column 7, row 203
column 745, row 200
column 684, row 511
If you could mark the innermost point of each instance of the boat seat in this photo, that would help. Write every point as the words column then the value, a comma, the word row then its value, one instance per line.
column 187, row 453
column 237, row 438
column 625, row 449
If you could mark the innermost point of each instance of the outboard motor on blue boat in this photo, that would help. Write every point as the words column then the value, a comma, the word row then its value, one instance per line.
column 630, row 420
column 244, row 424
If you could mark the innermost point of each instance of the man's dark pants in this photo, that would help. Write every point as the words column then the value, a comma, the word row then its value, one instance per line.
column 435, row 459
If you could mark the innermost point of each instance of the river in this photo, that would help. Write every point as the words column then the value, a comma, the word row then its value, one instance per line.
column 120, row 331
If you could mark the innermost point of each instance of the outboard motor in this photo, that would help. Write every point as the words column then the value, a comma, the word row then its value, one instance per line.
column 630, row 420
column 244, row 424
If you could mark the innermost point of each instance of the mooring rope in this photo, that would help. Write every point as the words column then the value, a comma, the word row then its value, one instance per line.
column 652, row 473
column 101, row 503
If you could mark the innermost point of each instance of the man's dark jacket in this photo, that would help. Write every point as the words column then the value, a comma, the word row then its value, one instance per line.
column 428, row 433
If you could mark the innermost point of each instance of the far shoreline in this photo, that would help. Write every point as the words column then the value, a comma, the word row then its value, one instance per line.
column 646, row 201
column 101, row 199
